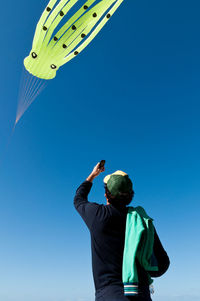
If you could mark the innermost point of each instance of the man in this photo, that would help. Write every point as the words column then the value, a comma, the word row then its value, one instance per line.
column 107, row 226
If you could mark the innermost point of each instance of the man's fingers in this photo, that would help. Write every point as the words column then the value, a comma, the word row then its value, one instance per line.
column 102, row 169
column 97, row 169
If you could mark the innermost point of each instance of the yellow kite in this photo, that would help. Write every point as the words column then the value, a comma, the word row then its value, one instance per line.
column 52, row 49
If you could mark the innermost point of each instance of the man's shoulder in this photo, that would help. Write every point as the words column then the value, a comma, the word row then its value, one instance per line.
column 103, row 212
column 106, row 212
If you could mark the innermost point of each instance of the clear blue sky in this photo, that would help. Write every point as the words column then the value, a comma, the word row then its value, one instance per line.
column 133, row 98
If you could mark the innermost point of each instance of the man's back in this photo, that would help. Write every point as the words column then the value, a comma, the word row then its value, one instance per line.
column 107, row 241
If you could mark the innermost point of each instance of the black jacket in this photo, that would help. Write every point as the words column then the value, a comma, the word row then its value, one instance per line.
column 107, row 224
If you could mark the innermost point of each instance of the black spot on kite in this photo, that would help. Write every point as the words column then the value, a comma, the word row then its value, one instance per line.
column 61, row 14
column 83, row 35
column 76, row 52
column 73, row 27
column 48, row 9
column 53, row 66
column 85, row 7
column 94, row 15
column 44, row 28
column 34, row 55
column 55, row 39
column 64, row 46
column 108, row 16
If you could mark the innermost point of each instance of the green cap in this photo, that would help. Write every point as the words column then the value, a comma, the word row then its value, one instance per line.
column 118, row 183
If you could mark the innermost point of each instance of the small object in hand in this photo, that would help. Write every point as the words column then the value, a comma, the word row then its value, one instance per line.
column 102, row 163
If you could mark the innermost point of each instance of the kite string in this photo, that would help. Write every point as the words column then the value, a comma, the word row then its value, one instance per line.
column 40, row 89
column 22, row 88
column 32, row 88
column 29, row 86
column 28, row 79
column 31, row 82
column 35, row 90
column 39, row 85
column 24, row 91
column 21, row 83
column 33, row 93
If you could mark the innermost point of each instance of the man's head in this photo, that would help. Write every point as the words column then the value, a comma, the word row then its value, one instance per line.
column 118, row 188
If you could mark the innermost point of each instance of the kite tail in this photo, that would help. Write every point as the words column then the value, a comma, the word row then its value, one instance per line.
column 71, row 21
column 94, row 33
column 39, row 32
column 82, row 28
column 38, row 39
column 55, row 18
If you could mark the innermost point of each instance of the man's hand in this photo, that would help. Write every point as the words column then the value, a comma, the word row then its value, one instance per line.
column 96, row 171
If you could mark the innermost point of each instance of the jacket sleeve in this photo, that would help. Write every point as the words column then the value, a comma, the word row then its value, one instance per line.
column 87, row 210
column 161, row 257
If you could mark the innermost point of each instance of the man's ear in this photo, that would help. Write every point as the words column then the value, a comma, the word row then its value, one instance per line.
column 106, row 199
